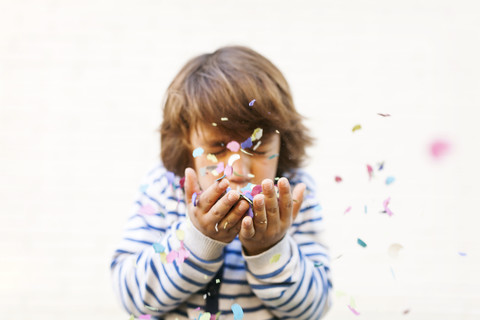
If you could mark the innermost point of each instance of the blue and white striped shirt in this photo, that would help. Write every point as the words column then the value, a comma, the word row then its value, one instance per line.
column 296, row 286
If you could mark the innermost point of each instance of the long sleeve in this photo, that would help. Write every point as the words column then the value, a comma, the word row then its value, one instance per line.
column 145, row 272
column 293, row 277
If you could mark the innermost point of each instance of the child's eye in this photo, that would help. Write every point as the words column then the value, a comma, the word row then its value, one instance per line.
column 219, row 152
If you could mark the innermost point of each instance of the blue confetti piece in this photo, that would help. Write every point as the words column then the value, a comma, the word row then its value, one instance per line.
column 247, row 188
column 247, row 143
column 463, row 254
column 273, row 156
column 365, row 209
column 318, row 207
column 143, row 187
column 197, row 152
column 251, row 103
column 237, row 311
column 389, row 180
column 194, row 199
column 170, row 177
column 158, row 247
column 360, row 242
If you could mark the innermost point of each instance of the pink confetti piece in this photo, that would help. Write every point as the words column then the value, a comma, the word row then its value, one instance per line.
column 439, row 148
column 251, row 103
column 220, row 167
column 355, row 312
column 256, row 190
column 228, row 171
column 182, row 182
column 197, row 309
column 182, row 255
column 145, row 316
column 370, row 171
column 233, row 146
column 172, row 255
column 197, row 152
column 386, row 208
column 147, row 209
column 338, row 179
column 348, row 210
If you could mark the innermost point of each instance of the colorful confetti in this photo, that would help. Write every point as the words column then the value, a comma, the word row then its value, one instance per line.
column 197, row 152
column 257, row 134
column 380, row 166
column 158, row 247
column 370, row 171
column 256, row 190
column 355, row 312
column 384, row 114
column 386, row 208
column 224, row 119
column 361, row 242
column 180, row 234
column 228, row 171
column 273, row 156
column 463, row 254
column 318, row 264
column 389, row 180
column 338, row 179
column 145, row 316
column 151, row 308
column 251, row 103
column 394, row 250
column 147, row 209
column 212, row 157
column 348, row 209
column 356, row 127
column 205, row 316
column 233, row 146
column 232, row 159
column 237, row 311
column 247, row 143
column 170, row 177
column 439, row 148
column 275, row 258
column 194, row 199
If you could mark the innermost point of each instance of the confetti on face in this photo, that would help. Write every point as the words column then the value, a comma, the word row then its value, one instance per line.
column 228, row 171
column 257, row 145
column 197, row 152
column 158, row 247
column 273, row 156
column 251, row 103
column 355, row 312
column 275, row 258
column 220, row 167
column 356, row 127
column 439, row 149
column 361, row 242
column 247, row 143
column 389, row 180
column 246, row 152
column 338, row 179
column 212, row 157
column 237, row 311
column 257, row 134
column 232, row 159
column 233, row 146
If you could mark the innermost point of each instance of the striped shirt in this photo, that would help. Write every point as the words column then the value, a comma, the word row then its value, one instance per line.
column 163, row 264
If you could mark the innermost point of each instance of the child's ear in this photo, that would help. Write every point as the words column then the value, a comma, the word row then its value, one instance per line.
column 191, row 184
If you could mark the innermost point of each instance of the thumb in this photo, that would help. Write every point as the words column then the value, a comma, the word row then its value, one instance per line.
column 191, row 184
column 297, row 195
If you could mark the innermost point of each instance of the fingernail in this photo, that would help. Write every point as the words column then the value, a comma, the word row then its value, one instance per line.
column 261, row 201
column 223, row 183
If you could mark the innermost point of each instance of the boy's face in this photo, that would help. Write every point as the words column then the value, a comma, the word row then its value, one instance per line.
column 261, row 164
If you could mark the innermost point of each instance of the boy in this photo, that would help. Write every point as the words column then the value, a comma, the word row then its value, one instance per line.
column 225, row 242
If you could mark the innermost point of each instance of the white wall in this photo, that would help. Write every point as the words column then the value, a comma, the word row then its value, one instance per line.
column 81, row 83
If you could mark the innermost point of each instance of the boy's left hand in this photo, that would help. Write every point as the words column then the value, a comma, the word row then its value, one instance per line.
column 272, row 216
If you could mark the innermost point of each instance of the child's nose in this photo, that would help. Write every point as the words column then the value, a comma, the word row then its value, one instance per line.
column 241, row 169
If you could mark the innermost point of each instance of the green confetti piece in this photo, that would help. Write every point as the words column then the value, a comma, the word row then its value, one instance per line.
column 275, row 258
column 151, row 308
column 273, row 156
column 361, row 242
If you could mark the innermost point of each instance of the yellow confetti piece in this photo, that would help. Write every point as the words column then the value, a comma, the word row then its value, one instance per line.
column 257, row 134
column 180, row 234
column 212, row 157
column 357, row 127
column 163, row 257
column 205, row 316
column 275, row 258
column 132, row 317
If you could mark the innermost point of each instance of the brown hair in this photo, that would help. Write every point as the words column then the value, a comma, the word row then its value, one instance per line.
column 221, row 84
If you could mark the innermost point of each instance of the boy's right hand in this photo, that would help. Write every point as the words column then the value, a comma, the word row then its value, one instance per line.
column 216, row 216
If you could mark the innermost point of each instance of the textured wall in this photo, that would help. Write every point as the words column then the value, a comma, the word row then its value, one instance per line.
column 81, row 84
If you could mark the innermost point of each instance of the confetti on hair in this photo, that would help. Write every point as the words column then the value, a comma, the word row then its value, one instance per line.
column 273, row 156
column 247, row 143
column 251, row 103
column 275, row 258
column 277, row 131
column 197, row 152
column 356, row 127
column 233, row 146
column 338, row 179
column 355, row 312
column 439, row 148
column 384, row 114
column 194, row 199
column 170, row 177
column 361, row 242
column 214, row 124
column 145, row 316
column 257, row 145
column 257, row 134
column 147, row 209
column 212, row 157
column 224, row 119
column 158, row 247
column 237, row 311
column 182, row 182
column 386, row 208
column 389, row 180
column 348, row 209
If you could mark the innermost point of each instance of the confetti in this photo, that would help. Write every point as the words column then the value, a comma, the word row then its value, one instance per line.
column 257, row 134
column 355, row 312
column 370, row 171
column 256, row 190
column 214, row 124
column 182, row 182
column 246, row 152
column 197, row 152
column 384, row 114
column 394, row 250
column 389, row 180
column 163, row 257
column 232, row 159
column 380, row 166
column 257, row 145
column 158, row 247
column 393, row 273
column 365, row 209
column 170, row 177
column 463, row 254
column 318, row 264
column 172, row 255
column 228, row 171
column 205, row 316
column 247, row 143
column 145, row 316
column 132, row 317
column 273, row 156
column 194, row 199
column 180, row 234
column 151, row 308
column 251, row 103
column 439, row 148
column 224, row 119
column 338, row 179
column 212, row 157
column 348, row 210
column 233, row 146
column 318, row 207
column 357, row 127
column 147, row 209
column 217, row 281
column 143, row 188
column 275, row 258
column 237, row 311
column 361, row 242
column 217, row 315
column 386, row 208
column 250, row 212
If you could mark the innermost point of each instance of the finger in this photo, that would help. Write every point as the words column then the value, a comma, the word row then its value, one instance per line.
column 209, row 197
column 231, row 220
column 260, row 215
column 285, row 202
column 247, row 230
column 298, row 193
column 271, row 202
column 191, row 184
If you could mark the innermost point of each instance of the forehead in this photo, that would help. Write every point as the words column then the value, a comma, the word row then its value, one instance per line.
column 210, row 133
